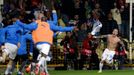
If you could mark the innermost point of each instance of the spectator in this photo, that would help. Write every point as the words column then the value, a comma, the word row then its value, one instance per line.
column 109, row 25
column 70, row 51
column 88, row 9
column 88, row 53
column 67, row 7
column 79, row 9
column 117, row 16
column 35, row 2
column 106, row 5
column 82, row 32
column 120, row 4
column 96, row 24
column 75, row 21
column 125, row 20
column 98, row 9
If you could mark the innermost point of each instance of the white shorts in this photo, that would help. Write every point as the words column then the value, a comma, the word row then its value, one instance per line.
column 44, row 48
column 11, row 50
column 48, row 58
column 108, row 56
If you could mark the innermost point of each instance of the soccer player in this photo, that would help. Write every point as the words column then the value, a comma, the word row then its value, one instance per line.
column 22, row 51
column 109, row 52
column 42, row 34
column 1, row 31
column 10, row 44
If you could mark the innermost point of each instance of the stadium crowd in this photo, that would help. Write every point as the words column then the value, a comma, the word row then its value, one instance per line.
column 80, row 19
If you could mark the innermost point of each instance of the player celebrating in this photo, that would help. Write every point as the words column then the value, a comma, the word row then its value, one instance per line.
column 109, row 52
column 42, row 35
column 10, row 45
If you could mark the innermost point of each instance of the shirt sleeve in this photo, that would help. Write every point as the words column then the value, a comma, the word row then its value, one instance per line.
column 19, row 33
column 31, row 26
column 60, row 28
column 55, row 18
column 2, row 35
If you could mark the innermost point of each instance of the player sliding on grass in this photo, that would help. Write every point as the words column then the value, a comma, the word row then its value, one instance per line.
column 109, row 52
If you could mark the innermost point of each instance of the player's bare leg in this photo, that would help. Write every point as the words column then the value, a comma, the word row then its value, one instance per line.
column 115, row 63
column 100, row 66
column 3, row 57
column 9, row 67
column 4, row 54
column 39, row 64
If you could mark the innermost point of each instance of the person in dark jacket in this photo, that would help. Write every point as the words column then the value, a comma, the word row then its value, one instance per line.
column 70, row 51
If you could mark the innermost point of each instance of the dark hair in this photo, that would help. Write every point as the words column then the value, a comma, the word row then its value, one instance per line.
column 119, row 34
column 15, row 14
column 30, row 16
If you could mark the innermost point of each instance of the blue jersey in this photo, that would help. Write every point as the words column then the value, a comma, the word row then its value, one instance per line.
column 53, row 27
column 55, row 19
column 1, row 36
column 12, row 34
column 23, row 46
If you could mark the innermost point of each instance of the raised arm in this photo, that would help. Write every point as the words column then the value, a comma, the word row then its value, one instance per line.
column 55, row 18
column 54, row 14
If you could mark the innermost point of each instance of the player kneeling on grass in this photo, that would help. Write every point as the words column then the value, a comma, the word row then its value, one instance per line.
column 109, row 52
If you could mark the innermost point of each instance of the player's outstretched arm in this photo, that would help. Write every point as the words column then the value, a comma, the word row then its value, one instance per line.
column 101, row 36
column 31, row 26
column 61, row 29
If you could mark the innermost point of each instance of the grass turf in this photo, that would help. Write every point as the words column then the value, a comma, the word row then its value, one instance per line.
column 89, row 72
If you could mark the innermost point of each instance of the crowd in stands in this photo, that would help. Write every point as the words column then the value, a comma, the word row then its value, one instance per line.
column 112, row 14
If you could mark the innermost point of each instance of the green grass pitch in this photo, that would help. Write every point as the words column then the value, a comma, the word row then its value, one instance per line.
column 93, row 72
column 90, row 72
